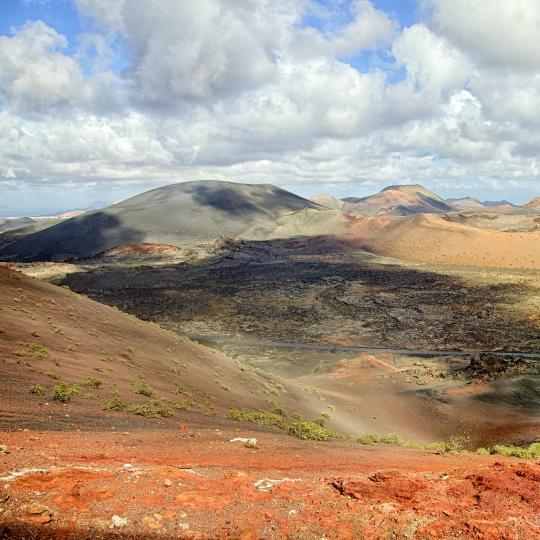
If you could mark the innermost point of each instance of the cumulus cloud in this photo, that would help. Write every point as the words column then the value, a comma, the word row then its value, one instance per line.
column 368, row 28
column 34, row 74
column 37, row 77
column 247, row 90
column 498, row 33
column 196, row 50
column 432, row 64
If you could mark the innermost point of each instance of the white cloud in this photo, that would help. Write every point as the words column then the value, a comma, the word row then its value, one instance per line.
column 197, row 50
column 368, row 29
column 433, row 65
column 509, row 97
column 502, row 33
column 244, row 90
column 33, row 74
column 36, row 77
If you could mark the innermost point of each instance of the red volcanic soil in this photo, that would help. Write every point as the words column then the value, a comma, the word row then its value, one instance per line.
column 144, row 248
column 74, row 470
column 195, row 483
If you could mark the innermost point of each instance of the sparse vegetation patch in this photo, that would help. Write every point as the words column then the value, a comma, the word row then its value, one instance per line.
column 114, row 403
column 530, row 452
column 153, row 408
column 142, row 387
column 33, row 348
column 372, row 439
column 259, row 417
column 64, row 392
column 36, row 390
column 93, row 382
column 309, row 431
column 451, row 446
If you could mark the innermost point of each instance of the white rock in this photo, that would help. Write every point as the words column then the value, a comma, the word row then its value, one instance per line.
column 268, row 484
column 118, row 521
column 249, row 440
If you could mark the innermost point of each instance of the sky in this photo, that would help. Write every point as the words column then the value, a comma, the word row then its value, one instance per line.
column 103, row 99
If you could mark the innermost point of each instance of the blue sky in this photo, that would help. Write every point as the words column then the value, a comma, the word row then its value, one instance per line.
column 59, row 14
column 63, row 16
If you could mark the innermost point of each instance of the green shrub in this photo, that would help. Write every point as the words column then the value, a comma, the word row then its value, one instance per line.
column 36, row 390
column 94, row 382
column 182, row 388
column 530, row 452
column 114, row 403
column 534, row 449
column 452, row 445
column 309, row 430
column 153, row 408
column 33, row 349
column 259, row 417
column 64, row 392
column 372, row 439
column 142, row 387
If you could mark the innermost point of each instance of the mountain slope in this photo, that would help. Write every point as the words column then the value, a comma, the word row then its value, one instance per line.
column 179, row 214
column 432, row 239
column 9, row 224
column 534, row 203
column 41, row 344
column 327, row 200
column 465, row 203
column 398, row 200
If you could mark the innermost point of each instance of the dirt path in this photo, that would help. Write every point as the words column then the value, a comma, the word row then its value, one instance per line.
column 428, row 353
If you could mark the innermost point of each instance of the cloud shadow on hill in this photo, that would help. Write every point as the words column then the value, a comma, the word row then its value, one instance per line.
column 236, row 202
column 77, row 238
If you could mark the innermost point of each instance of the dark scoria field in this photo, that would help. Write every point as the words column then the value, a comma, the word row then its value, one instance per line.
column 318, row 291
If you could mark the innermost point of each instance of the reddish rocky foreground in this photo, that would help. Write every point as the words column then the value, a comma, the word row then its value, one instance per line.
column 196, row 483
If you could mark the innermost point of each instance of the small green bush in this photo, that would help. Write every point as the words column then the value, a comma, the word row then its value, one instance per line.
column 33, row 349
column 114, row 403
column 153, row 408
column 452, row 445
column 259, row 417
column 182, row 388
column 309, row 431
column 372, row 439
column 530, row 452
column 36, row 390
column 94, row 382
column 142, row 387
column 65, row 392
